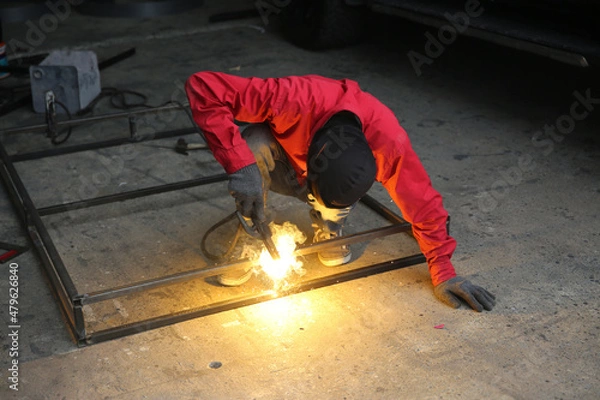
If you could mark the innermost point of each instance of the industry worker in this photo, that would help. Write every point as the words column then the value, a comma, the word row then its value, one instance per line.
column 326, row 142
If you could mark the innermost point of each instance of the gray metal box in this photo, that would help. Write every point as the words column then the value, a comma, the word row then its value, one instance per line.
column 73, row 77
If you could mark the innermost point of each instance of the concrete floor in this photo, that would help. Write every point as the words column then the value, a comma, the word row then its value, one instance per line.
column 525, row 213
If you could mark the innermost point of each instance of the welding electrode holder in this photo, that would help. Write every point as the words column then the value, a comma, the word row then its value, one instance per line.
column 260, row 230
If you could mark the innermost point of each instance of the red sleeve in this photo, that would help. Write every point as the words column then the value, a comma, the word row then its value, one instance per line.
column 421, row 205
column 402, row 174
column 216, row 100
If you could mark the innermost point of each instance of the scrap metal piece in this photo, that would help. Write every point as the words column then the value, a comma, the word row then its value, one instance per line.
column 11, row 251
column 182, row 146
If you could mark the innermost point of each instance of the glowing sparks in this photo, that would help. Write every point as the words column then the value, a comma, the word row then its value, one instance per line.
column 278, row 269
column 285, row 237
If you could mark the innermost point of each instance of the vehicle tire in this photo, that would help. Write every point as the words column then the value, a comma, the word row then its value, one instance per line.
column 322, row 24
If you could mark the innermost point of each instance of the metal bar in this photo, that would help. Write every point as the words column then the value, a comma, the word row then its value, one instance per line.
column 361, row 272
column 12, row 251
column 382, row 210
column 133, row 194
column 79, row 321
column 58, row 151
column 62, row 284
column 13, row 194
column 10, row 246
column 79, row 121
column 353, row 238
column 128, row 329
column 96, row 297
column 116, row 59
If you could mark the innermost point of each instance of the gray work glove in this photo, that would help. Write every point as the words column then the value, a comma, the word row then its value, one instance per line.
column 248, row 189
column 263, row 153
column 458, row 288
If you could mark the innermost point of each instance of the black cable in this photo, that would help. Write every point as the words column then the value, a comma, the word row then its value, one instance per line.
column 118, row 99
column 221, row 257
column 124, row 99
column 69, row 130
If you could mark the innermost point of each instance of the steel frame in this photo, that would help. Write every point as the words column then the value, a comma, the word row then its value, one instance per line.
column 71, row 301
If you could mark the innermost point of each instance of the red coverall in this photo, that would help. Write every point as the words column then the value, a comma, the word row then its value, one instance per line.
column 295, row 108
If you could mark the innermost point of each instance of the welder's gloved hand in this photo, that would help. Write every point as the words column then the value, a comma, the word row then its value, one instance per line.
column 458, row 288
column 248, row 189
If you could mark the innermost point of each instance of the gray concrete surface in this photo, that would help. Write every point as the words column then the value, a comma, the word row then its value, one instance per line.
column 524, row 210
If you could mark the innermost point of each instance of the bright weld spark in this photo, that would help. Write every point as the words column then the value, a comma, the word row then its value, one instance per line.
column 285, row 237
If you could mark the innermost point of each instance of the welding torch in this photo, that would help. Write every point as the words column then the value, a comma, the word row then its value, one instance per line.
column 260, row 230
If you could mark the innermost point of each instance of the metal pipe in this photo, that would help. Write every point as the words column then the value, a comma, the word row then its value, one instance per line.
column 353, row 238
column 116, row 58
column 382, row 210
column 237, row 302
column 58, row 151
column 55, row 269
column 79, row 121
column 133, row 194
column 95, row 297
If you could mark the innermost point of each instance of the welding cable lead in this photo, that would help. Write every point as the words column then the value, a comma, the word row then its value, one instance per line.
column 220, row 257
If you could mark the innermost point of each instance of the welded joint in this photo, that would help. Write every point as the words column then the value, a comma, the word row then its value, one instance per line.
column 79, row 330
column 132, row 126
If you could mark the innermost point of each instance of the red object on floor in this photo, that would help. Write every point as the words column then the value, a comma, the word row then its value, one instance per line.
column 8, row 255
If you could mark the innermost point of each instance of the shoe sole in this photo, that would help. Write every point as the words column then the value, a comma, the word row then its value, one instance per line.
column 337, row 262
column 232, row 282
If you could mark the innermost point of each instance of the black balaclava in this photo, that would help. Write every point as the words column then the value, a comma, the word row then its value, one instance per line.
column 341, row 166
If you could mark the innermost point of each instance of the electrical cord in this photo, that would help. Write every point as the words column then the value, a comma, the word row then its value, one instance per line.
column 236, row 237
column 55, row 138
column 118, row 99
column 122, row 99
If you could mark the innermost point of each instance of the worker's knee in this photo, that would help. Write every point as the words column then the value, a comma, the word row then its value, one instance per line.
column 260, row 139
column 257, row 135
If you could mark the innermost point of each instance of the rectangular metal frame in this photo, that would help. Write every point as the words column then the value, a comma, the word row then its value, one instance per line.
column 71, row 301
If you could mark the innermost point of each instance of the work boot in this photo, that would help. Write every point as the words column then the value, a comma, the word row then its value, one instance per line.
column 235, row 278
column 325, row 230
